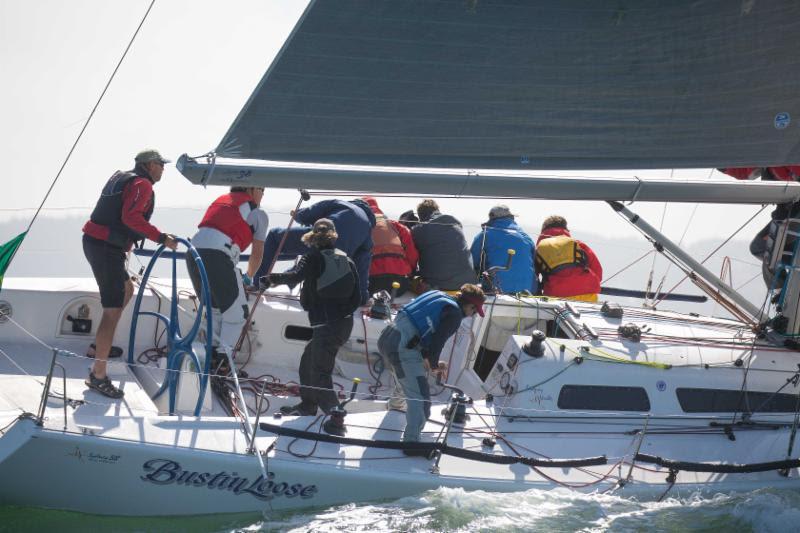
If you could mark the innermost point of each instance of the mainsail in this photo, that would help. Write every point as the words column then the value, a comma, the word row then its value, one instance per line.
column 573, row 84
column 524, row 85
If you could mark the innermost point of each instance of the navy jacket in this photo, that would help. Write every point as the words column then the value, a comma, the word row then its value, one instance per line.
column 354, row 222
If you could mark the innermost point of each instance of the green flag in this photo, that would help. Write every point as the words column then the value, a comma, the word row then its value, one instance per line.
column 7, row 252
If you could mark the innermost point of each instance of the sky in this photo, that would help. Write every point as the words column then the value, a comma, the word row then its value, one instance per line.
column 189, row 72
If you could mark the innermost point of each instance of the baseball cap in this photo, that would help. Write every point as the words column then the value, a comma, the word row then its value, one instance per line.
column 475, row 300
column 500, row 211
column 146, row 156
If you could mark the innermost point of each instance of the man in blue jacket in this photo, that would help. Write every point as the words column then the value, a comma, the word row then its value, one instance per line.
column 354, row 221
column 414, row 342
column 490, row 248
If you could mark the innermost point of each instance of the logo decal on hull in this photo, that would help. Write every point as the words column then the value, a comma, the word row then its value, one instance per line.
column 92, row 457
column 167, row 472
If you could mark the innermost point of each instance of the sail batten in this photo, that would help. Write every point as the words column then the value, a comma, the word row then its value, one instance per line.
column 542, row 85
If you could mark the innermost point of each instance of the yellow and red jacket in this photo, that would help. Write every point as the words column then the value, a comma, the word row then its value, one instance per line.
column 568, row 266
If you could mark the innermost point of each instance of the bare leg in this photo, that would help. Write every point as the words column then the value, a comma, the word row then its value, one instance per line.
column 105, row 333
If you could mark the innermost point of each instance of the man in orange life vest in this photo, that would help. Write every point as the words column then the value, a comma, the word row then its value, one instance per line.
column 231, row 224
column 121, row 217
column 394, row 256
column 569, row 268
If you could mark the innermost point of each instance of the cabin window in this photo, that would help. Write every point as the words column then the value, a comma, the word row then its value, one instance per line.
column 603, row 398
column 729, row 401
column 298, row 333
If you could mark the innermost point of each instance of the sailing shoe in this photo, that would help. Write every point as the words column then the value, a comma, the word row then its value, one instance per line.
column 396, row 404
column 116, row 351
column 104, row 386
column 296, row 410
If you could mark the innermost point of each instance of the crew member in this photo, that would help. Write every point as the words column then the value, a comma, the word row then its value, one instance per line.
column 230, row 225
column 414, row 341
column 354, row 221
column 763, row 244
column 330, row 294
column 121, row 217
column 490, row 249
column 444, row 257
column 408, row 218
column 569, row 268
column 394, row 256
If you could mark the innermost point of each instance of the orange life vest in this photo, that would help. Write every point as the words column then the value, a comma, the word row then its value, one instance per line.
column 385, row 239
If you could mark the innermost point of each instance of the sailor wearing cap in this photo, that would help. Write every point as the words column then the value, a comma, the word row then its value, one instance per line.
column 491, row 246
column 121, row 216
column 414, row 341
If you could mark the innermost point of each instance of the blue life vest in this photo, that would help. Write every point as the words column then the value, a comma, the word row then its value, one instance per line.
column 490, row 248
column 425, row 311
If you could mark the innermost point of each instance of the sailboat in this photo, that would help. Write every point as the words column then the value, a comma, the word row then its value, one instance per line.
column 465, row 99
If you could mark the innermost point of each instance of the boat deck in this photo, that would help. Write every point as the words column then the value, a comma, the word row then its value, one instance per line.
column 24, row 368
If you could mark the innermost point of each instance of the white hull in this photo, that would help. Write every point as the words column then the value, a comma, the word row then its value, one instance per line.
column 96, row 455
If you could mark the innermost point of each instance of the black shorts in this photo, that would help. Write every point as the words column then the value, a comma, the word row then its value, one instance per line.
column 221, row 272
column 108, row 266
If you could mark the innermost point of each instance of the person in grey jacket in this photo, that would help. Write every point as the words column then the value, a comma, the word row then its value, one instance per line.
column 445, row 262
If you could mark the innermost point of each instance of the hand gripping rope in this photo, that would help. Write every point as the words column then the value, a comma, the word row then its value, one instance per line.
column 178, row 347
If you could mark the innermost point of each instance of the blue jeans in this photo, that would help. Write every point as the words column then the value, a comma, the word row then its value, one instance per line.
column 410, row 372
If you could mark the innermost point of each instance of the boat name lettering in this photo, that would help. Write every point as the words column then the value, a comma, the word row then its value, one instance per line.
column 167, row 472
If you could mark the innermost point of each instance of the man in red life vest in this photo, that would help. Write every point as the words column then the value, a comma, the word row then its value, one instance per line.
column 762, row 245
column 786, row 173
column 121, row 217
column 394, row 256
column 569, row 268
column 231, row 224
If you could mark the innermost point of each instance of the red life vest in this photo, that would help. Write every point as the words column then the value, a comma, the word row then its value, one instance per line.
column 225, row 215
column 385, row 239
column 789, row 173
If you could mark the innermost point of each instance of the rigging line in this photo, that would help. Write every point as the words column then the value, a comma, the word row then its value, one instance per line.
column 660, row 229
column 631, row 264
column 86, row 124
column 743, row 389
column 726, row 241
column 685, row 230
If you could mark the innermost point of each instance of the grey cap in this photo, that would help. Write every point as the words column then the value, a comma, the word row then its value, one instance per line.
column 500, row 211
column 146, row 156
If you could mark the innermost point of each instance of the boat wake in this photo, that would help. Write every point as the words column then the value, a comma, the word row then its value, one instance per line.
column 449, row 509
